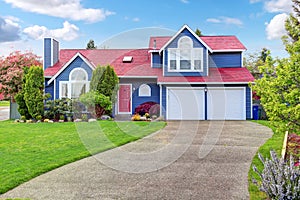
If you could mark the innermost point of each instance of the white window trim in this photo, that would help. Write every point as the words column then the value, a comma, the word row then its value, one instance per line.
column 70, row 82
column 192, row 53
column 144, row 90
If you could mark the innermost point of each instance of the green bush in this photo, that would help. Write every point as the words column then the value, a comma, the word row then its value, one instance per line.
column 34, row 91
column 97, row 103
column 55, row 108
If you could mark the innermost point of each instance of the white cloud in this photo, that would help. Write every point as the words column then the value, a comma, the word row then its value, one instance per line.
column 184, row 1
column 225, row 20
column 255, row 1
column 9, row 29
column 70, row 9
column 68, row 32
column 275, row 28
column 275, row 6
column 136, row 19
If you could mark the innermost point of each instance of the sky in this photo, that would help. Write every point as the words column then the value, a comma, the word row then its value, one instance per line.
column 128, row 24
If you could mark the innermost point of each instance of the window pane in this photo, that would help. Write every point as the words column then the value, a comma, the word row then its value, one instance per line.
column 185, row 43
column 173, row 64
column 185, row 64
column 197, row 64
column 78, row 75
column 64, row 90
column 78, row 89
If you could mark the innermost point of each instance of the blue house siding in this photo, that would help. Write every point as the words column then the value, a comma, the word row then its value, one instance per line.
column 248, row 102
column 156, row 60
column 49, row 88
column 64, row 76
column 220, row 60
column 137, row 100
column 163, row 105
column 196, row 44
column 47, row 53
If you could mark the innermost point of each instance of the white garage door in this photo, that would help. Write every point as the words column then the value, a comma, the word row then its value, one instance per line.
column 185, row 104
column 228, row 103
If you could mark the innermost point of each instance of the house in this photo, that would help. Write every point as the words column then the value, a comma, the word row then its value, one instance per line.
column 190, row 77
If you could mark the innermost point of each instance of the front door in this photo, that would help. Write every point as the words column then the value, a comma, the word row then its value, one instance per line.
column 124, row 100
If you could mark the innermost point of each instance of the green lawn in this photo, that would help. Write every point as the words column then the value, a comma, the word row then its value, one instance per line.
column 275, row 143
column 4, row 103
column 28, row 150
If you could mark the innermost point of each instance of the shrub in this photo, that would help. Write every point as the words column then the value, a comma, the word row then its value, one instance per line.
column 146, row 107
column 279, row 179
column 96, row 103
column 33, row 91
column 55, row 108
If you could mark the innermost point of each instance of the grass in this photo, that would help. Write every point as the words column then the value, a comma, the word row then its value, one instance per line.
column 274, row 143
column 28, row 150
column 4, row 103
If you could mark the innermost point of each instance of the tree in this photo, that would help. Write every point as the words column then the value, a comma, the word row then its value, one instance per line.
column 105, row 81
column 279, row 87
column 34, row 91
column 292, row 24
column 22, row 107
column 198, row 32
column 12, row 70
column 255, row 60
column 103, row 90
column 91, row 45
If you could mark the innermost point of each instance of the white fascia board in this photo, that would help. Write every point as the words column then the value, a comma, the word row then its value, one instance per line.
column 191, row 31
column 69, row 62
column 203, row 83
column 228, row 50
column 137, row 76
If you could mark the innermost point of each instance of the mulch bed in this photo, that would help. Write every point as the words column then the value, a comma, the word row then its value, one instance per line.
column 293, row 147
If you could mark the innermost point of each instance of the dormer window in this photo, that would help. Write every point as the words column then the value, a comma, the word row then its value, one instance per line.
column 185, row 57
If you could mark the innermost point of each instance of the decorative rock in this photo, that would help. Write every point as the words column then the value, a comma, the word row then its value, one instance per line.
column 78, row 120
column 92, row 120
column 17, row 120
column 50, row 121
column 105, row 117
column 61, row 120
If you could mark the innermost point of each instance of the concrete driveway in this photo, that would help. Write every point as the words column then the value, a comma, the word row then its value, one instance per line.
column 185, row 160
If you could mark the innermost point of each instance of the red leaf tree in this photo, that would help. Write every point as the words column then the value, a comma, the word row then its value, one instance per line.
column 12, row 70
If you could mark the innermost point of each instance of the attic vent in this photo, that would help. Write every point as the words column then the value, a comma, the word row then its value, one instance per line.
column 127, row 59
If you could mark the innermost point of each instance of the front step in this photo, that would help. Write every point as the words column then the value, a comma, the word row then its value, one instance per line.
column 123, row 117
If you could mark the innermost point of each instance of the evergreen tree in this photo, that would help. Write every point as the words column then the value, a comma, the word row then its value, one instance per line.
column 198, row 32
column 34, row 91
column 91, row 45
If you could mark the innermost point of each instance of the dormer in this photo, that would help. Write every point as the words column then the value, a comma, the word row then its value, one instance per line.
column 185, row 54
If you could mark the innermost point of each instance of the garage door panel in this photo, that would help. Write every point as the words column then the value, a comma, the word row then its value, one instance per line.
column 226, row 104
column 185, row 104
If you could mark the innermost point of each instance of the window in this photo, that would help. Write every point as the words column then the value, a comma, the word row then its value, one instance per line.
column 185, row 57
column 144, row 90
column 78, row 84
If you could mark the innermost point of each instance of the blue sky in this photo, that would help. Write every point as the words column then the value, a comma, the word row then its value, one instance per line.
column 113, row 23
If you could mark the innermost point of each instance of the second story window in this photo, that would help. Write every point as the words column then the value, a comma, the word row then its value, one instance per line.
column 185, row 57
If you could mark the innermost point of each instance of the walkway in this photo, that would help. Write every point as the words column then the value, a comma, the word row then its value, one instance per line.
column 186, row 160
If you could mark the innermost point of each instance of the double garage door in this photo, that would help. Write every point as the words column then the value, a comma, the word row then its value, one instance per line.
column 214, row 104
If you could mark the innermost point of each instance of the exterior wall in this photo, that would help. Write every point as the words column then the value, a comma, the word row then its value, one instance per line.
column 49, row 88
column 163, row 107
column 47, row 53
column 51, row 52
column 137, row 100
column 156, row 60
column 136, row 83
column 220, row 60
column 248, row 98
column 248, row 103
column 196, row 44
column 64, row 76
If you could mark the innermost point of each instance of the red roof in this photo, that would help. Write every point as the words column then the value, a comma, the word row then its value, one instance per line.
column 96, row 57
column 216, row 75
column 215, row 43
column 223, row 43
column 160, row 41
